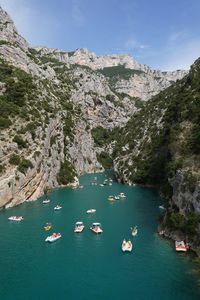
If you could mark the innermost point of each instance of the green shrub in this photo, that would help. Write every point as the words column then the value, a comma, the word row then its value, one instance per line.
column 15, row 159
column 4, row 123
column 52, row 140
column 66, row 173
column 120, row 71
column 24, row 165
column 100, row 135
column 105, row 159
column 192, row 223
column 1, row 168
column 3, row 42
column 176, row 221
column 36, row 154
column 191, row 181
column 20, row 142
column 195, row 139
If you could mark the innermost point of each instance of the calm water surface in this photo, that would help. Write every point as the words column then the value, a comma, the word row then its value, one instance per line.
column 86, row 266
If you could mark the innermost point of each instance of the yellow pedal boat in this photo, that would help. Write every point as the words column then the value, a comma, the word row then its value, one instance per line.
column 48, row 227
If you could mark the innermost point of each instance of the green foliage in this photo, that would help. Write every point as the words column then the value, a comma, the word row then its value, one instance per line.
column 4, row 122
column 172, row 166
column 3, row 42
column 52, row 140
column 188, row 224
column 1, row 168
column 191, row 181
column 31, row 127
column 195, row 139
column 24, row 165
column 166, row 190
column 120, row 71
column 100, row 135
column 164, row 135
column 20, row 142
column 110, row 98
column 19, row 90
column 36, row 154
column 15, row 159
column 176, row 221
column 103, row 136
column 105, row 160
column 192, row 223
column 139, row 103
column 66, row 174
column 48, row 59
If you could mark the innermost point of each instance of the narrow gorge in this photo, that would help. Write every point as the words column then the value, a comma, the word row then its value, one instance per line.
column 63, row 114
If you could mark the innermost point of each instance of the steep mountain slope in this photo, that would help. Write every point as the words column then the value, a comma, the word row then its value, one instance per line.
column 54, row 104
column 162, row 148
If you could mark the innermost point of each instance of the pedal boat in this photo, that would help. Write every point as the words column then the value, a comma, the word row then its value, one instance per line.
column 47, row 227
column 180, row 246
column 46, row 201
column 16, row 218
column 52, row 238
column 91, row 211
column 134, row 231
column 57, row 207
column 96, row 228
column 111, row 198
column 121, row 195
column 127, row 246
column 79, row 227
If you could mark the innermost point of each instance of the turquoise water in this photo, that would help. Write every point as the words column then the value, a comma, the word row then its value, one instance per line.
column 87, row 266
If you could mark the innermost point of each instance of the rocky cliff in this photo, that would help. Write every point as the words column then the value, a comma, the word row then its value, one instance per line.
column 124, row 73
column 163, row 149
column 54, row 106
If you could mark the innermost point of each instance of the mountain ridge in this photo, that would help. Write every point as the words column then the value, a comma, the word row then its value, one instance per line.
column 53, row 110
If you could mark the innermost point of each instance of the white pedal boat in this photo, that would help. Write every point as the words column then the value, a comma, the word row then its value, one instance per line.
column 57, row 207
column 52, row 238
column 16, row 218
column 79, row 227
column 134, row 231
column 96, row 228
column 121, row 195
column 91, row 211
column 46, row 201
column 111, row 198
column 127, row 246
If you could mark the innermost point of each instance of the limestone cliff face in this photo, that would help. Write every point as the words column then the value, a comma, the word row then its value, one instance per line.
column 160, row 146
column 145, row 85
column 148, row 83
column 9, row 33
column 185, row 197
column 15, row 186
column 51, row 101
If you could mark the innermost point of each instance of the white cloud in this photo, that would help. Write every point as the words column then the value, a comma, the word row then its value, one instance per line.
column 132, row 44
column 177, row 37
column 180, row 51
column 181, row 56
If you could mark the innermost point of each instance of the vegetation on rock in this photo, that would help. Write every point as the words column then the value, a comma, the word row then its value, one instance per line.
column 66, row 173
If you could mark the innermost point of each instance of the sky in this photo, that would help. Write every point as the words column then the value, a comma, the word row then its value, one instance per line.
column 163, row 34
